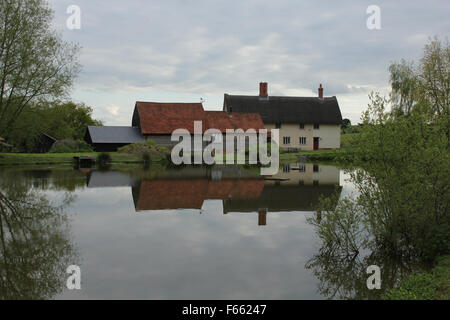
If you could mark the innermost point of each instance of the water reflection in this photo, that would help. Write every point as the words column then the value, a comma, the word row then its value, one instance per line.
column 162, row 233
column 35, row 246
column 298, row 187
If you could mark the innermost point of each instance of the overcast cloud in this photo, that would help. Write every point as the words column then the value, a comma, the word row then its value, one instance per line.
column 185, row 50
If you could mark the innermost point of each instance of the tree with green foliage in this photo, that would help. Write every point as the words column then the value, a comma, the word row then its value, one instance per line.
column 61, row 120
column 403, row 195
column 425, row 86
column 35, row 63
column 346, row 123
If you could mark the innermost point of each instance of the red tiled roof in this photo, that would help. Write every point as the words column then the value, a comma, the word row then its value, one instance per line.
column 222, row 120
column 164, row 118
column 171, row 194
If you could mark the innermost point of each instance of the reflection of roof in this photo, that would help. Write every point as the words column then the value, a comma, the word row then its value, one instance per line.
column 164, row 118
column 190, row 194
column 114, row 134
column 288, row 109
column 96, row 179
column 283, row 198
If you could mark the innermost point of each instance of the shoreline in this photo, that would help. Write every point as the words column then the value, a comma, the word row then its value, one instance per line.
column 12, row 159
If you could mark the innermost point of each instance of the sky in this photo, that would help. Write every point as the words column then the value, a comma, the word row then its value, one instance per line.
column 185, row 51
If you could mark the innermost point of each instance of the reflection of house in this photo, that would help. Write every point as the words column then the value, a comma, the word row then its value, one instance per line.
column 308, row 174
column 189, row 189
column 156, row 121
column 307, row 123
column 190, row 194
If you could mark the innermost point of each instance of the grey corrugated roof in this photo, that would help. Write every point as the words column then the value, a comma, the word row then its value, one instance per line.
column 287, row 109
column 113, row 134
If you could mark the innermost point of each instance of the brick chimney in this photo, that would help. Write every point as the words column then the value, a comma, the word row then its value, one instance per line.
column 320, row 92
column 263, row 90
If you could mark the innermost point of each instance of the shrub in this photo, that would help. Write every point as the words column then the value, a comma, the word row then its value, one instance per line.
column 70, row 146
column 148, row 147
column 146, row 157
column 103, row 159
column 419, row 286
column 425, row 286
column 437, row 241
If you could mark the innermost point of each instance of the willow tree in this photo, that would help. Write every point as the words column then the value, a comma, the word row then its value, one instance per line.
column 425, row 85
column 35, row 62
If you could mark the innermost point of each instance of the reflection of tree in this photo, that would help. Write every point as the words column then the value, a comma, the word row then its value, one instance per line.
column 344, row 277
column 349, row 246
column 59, row 179
column 35, row 248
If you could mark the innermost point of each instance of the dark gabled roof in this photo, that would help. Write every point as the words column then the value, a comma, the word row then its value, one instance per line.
column 49, row 136
column 283, row 198
column 287, row 109
column 113, row 134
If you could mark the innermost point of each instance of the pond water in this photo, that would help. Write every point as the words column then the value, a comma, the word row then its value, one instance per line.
column 158, row 233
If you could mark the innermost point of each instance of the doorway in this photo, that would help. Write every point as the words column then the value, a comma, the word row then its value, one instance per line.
column 316, row 143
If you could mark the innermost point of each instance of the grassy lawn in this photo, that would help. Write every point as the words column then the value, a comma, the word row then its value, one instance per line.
column 347, row 142
column 60, row 158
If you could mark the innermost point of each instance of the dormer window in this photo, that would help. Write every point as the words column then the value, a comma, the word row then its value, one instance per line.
column 316, row 126
column 302, row 126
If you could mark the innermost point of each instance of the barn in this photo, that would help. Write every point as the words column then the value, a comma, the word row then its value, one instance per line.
column 157, row 120
column 109, row 138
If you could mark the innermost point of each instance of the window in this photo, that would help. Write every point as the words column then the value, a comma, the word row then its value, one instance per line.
column 302, row 126
column 316, row 168
column 301, row 182
column 286, row 140
column 302, row 140
column 302, row 168
column 286, row 168
column 316, row 126
column 278, row 125
column 315, row 182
